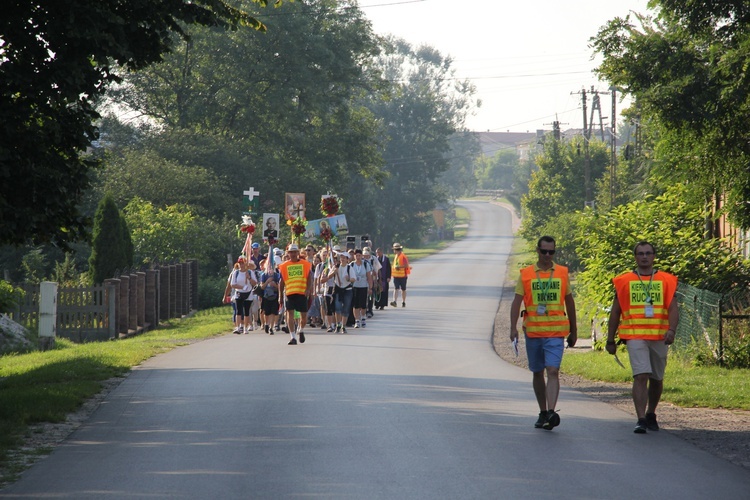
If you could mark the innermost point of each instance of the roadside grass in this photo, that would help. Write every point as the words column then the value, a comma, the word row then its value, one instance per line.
column 684, row 385
column 46, row 386
column 430, row 248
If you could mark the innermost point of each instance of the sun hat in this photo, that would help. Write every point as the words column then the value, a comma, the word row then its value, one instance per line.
column 366, row 251
column 293, row 248
column 397, row 246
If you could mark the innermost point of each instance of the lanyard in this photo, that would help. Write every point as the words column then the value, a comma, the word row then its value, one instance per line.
column 645, row 287
column 544, row 287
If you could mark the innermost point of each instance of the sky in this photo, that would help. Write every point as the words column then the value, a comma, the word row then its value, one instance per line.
column 529, row 60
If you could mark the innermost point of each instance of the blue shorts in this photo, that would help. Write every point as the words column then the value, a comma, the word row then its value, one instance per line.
column 544, row 351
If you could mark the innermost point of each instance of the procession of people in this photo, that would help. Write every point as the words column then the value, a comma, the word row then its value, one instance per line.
column 325, row 288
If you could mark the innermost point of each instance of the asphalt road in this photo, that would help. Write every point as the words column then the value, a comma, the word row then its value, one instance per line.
column 415, row 406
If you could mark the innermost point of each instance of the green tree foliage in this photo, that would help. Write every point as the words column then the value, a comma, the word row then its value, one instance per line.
column 278, row 111
column 422, row 110
column 175, row 233
column 686, row 69
column 10, row 296
column 148, row 175
column 498, row 172
column 558, row 186
column 109, row 249
column 674, row 225
column 56, row 61
column 459, row 180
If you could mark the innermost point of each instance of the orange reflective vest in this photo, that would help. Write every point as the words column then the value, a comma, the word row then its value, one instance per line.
column 400, row 267
column 634, row 293
column 547, row 289
column 295, row 276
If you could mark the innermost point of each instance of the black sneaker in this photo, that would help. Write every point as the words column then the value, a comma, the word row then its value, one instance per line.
column 343, row 329
column 651, row 423
column 285, row 329
column 265, row 328
column 292, row 342
column 338, row 329
column 403, row 304
column 393, row 303
column 553, row 420
column 276, row 328
column 540, row 421
column 301, row 337
column 641, row 426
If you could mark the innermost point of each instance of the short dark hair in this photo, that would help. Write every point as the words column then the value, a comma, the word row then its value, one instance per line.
column 545, row 239
column 642, row 243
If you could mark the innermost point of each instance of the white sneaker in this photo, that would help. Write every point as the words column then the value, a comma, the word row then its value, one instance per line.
column 356, row 325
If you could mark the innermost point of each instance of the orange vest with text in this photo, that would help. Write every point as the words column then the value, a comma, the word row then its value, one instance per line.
column 541, row 290
column 295, row 276
column 632, row 294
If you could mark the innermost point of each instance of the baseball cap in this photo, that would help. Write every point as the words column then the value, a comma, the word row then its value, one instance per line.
column 256, row 245
column 278, row 251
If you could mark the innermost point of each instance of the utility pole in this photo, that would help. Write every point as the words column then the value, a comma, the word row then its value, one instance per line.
column 556, row 128
column 613, row 150
column 586, row 155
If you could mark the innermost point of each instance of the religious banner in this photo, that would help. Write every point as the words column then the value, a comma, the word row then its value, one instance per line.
column 294, row 206
column 336, row 225
column 271, row 227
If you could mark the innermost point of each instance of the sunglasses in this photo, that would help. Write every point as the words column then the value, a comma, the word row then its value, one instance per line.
column 646, row 254
column 546, row 252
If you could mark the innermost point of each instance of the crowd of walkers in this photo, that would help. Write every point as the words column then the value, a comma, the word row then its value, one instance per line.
column 327, row 288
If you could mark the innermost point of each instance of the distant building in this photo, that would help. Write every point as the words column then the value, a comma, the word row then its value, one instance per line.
column 525, row 144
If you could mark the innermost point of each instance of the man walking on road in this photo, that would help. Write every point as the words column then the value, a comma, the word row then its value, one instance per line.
column 646, row 313
column 400, row 272
column 544, row 289
column 296, row 285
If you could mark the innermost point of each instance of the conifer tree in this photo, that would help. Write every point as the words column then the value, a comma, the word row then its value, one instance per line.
column 108, row 252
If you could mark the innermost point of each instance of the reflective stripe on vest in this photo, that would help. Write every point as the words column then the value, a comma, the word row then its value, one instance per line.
column 632, row 295
column 295, row 275
column 403, row 264
column 554, row 323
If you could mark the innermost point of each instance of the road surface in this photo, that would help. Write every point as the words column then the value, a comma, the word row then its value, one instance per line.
column 415, row 406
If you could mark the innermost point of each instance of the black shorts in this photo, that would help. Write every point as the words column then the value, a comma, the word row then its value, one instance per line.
column 359, row 298
column 399, row 283
column 296, row 302
column 270, row 306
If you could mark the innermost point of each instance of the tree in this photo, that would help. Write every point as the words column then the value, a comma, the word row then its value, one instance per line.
column 109, row 250
column 56, row 61
column 558, row 186
column 498, row 172
column 674, row 224
column 686, row 69
column 281, row 112
column 422, row 110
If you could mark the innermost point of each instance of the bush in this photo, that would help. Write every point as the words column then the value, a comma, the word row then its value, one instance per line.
column 10, row 296
column 211, row 291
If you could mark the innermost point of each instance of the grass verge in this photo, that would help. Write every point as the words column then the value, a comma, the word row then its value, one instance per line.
column 46, row 386
column 684, row 385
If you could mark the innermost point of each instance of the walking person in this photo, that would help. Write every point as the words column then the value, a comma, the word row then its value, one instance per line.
column 243, row 283
column 646, row 313
column 343, row 279
column 361, row 288
column 230, row 294
column 400, row 272
column 375, row 269
column 270, row 282
column 384, row 278
column 326, row 288
column 544, row 289
column 296, row 288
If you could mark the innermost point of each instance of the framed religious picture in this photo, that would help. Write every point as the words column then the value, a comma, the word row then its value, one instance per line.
column 271, row 226
column 294, row 205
